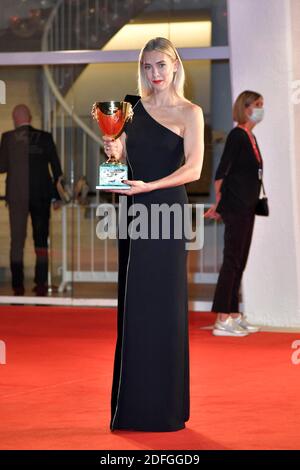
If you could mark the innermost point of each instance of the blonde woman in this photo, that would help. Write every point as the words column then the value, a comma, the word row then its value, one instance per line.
column 163, row 146
column 237, row 186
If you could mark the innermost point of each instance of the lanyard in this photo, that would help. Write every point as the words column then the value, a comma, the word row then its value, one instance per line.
column 253, row 143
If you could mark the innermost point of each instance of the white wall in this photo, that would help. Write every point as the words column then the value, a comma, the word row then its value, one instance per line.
column 261, row 60
column 295, row 28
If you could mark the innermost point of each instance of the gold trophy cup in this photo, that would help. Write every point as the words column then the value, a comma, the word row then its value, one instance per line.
column 112, row 117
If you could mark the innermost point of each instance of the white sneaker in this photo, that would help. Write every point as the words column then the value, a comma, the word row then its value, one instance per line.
column 242, row 322
column 229, row 328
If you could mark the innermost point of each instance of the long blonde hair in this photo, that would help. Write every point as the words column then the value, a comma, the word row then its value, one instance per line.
column 165, row 46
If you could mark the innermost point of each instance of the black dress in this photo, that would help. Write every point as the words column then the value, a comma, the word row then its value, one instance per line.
column 150, row 389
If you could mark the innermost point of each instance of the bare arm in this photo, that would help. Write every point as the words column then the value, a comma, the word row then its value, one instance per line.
column 193, row 150
column 212, row 213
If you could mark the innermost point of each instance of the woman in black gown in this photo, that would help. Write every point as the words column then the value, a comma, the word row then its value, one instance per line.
column 163, row 146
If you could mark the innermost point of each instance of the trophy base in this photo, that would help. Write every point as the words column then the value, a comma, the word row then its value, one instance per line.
column 111, row 175
column 121, row 186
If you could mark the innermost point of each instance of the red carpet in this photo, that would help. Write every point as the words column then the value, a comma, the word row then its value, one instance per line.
column 55, row 386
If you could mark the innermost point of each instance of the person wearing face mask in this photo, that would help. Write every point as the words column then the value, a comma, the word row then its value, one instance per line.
column 237, row 186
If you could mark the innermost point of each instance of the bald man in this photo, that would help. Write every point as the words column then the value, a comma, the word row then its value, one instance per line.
column 25, row 156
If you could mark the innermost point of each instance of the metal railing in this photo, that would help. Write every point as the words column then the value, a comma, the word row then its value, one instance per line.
column 75, row 24
column 86, row 258
column 80, row 248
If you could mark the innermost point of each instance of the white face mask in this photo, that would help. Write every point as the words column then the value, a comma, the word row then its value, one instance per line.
column 257, row 115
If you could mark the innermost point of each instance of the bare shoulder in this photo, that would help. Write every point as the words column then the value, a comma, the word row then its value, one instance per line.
column 192, row 115
column 192, row 110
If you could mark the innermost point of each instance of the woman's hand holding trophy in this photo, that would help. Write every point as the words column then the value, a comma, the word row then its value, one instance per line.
column 111, row 117
column 112, row 147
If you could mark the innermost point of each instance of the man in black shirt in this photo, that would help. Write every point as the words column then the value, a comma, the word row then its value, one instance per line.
column 25, row 156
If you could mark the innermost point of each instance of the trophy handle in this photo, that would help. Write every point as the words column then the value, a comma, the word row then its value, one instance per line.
column 112, row 159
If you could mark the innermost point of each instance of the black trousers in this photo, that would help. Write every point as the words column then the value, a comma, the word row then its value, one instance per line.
column 237, row 241
column 18, row 215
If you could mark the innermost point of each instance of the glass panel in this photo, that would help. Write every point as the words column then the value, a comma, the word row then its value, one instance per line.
column 79, row 263
column 35, row 25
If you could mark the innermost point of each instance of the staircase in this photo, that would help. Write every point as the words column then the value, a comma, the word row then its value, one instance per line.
column 77, row 25
column 73, row 25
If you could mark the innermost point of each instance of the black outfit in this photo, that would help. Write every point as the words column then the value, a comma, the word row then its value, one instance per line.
column 150, row 389
column 239, row 170
column 25, row 155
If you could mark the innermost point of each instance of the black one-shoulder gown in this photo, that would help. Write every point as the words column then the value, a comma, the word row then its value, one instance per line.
column 150, row 389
